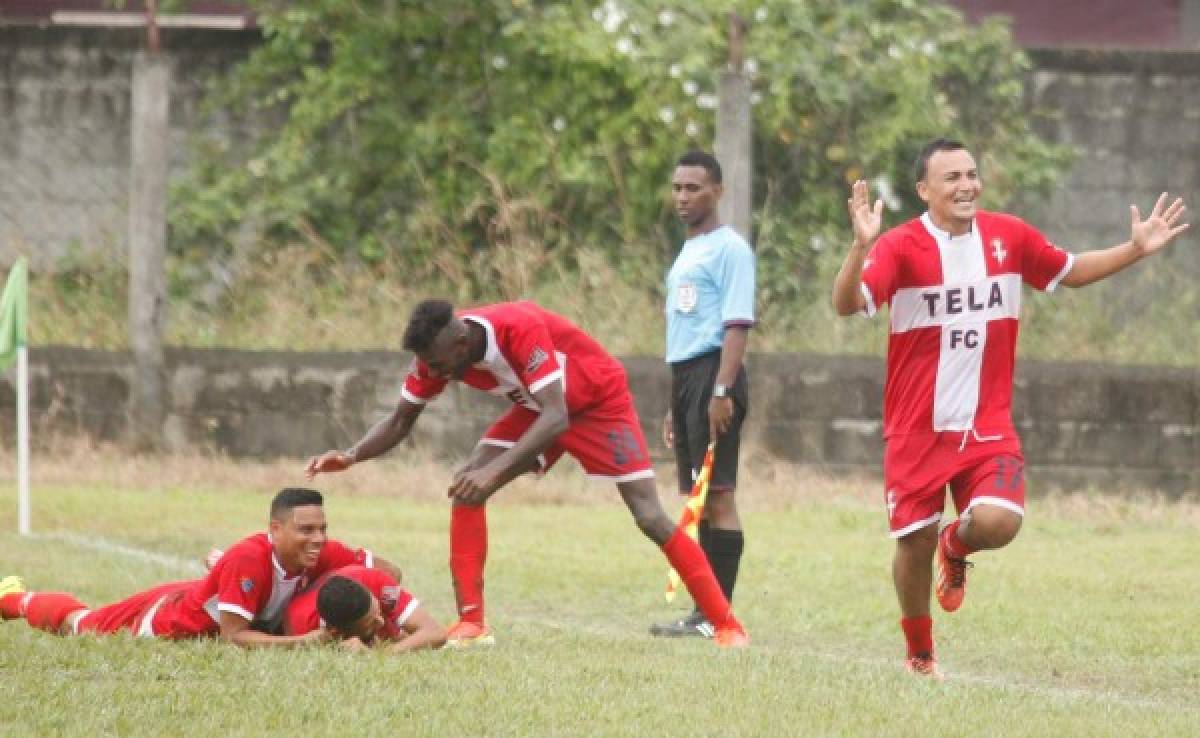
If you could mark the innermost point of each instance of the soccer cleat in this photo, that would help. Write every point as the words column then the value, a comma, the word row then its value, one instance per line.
column 693, row 626
column 12, row 585
column 732, row 636
column 951, row 578
column 466, row 634
column 925, row 666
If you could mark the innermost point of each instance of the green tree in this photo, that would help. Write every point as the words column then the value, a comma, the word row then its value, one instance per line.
column 496, row 145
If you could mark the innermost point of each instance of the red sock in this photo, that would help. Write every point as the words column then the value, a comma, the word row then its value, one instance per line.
column 468, row 553
column 10, row 606
column 954, row 545
column 688, row 559
column 48, row 610
column 918, row 632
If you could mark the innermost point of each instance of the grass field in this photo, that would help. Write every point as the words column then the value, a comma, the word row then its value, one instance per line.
column 1087, row 625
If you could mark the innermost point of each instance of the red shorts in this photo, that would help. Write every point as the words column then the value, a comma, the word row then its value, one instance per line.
column 917, row 469
column 607, row 440
column 140, row 614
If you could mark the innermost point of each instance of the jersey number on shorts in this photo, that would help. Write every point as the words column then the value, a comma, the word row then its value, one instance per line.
column 1008, row 473
column 625, row 447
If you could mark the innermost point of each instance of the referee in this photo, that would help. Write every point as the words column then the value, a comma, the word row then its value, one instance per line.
column 710, row 309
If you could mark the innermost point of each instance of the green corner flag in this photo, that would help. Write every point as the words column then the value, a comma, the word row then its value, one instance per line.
column 14, row 309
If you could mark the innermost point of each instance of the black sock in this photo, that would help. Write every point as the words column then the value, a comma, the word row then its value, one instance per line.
column 724, row 551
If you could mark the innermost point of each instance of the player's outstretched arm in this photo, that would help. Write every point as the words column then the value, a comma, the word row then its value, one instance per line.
column 381, row 438
column 236, row 630
column 866, row 221
column 423, row 632
column 1146, row 237
column 378, row 562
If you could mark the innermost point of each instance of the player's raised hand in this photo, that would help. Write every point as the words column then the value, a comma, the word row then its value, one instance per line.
column 330, row 461
column 865, row 219
column 1160, row 228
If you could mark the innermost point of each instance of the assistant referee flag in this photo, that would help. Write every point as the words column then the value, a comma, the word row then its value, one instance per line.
column 14, row 311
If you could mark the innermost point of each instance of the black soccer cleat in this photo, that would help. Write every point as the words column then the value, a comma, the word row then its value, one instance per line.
column 693, row 626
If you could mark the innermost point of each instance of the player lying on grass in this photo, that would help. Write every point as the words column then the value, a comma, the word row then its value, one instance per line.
column 242, row 599
column 570, row 396
column 364, row 608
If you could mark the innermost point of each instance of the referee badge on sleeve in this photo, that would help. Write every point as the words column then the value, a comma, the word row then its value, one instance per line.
column 688, row 296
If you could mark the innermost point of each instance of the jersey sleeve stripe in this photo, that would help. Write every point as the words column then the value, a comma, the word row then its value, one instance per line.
column 235, row 609
column 546, row 380
column 1063, row 274
column 869, row 309
column 411, row 397
column 368, row 558
column 740, row 323
column 403, row 617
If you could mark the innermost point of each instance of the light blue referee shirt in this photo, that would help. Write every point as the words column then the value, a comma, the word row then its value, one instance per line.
column 709, row 288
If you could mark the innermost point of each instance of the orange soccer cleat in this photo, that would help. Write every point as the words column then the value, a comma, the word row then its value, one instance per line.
column 731, row 636
column 925, row 666
column 466, row 634
column 951, row 577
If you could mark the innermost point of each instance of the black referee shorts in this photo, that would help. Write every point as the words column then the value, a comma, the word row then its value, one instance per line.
column 691, row 389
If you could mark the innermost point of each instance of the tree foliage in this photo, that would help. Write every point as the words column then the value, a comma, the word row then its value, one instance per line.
column 478, row 142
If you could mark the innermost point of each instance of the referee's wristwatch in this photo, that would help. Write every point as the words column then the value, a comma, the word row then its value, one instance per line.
column 720, row 390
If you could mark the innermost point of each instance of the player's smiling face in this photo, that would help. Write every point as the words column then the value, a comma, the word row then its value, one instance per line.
column 298, row 540
column 951, row 189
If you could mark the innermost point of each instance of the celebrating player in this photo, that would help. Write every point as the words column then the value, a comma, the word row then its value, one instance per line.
column 952, row 279
column 364, row 607
column 569, row 395
column 242, row 599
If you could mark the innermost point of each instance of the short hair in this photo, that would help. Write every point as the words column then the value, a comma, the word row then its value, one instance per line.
column 696, row 158
column 921, row 167
column 427, row 321
column 292, row 497
column 341, row 601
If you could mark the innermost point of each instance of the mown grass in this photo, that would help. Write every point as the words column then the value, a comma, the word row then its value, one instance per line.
column 1085, row 626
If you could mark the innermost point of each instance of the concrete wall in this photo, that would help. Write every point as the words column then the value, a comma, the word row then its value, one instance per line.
column 1082, row 424
column 64, row 130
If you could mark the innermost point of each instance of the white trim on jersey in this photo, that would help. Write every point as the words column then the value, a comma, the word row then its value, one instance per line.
column 870, row 309
column 368, row 558
column 1063, row 274
column 497, row 365
column 631, row 476
column 235, row 609
column 916, row 526
column 411, row 397
column 547, row 380
column 996, row 502
column 403, row 617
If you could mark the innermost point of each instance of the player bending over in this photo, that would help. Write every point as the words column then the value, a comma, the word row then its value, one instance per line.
column 569, row 395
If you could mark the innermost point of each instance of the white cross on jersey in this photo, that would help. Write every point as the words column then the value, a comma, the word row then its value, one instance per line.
column 954, row 310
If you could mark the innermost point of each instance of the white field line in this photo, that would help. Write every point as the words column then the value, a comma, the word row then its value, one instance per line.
column 1069, row 694
column 185, row 566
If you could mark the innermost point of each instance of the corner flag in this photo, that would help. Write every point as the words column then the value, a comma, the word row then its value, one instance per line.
column 693, row 513
column 14, row 338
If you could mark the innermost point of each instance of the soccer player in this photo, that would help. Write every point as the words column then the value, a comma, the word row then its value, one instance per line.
column 710, row 310
column 569, row 396
column 242, row 599
column 952, row 279
column 364, row 607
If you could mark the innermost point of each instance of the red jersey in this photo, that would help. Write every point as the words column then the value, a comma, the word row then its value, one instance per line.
column 249, row 581
column 528, row 347
column 396, row 603
column 954, row 319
